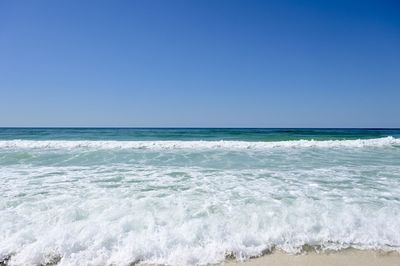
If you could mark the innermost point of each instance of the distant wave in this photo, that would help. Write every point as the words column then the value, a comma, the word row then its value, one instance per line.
column 176, row 144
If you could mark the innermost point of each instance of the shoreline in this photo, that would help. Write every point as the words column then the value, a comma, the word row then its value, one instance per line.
column 347, row 257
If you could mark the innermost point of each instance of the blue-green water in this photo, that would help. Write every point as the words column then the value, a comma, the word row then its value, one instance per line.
column 245, row 134
column 190, row 196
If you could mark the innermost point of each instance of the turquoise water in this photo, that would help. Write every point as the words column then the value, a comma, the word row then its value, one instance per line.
column 250, row 134
column 191, row 196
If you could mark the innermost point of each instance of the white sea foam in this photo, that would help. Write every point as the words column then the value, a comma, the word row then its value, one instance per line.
column 111, row 144
column 84, row 205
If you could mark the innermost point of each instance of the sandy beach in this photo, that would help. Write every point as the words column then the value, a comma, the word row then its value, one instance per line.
column 342, row 258
column 349, row 257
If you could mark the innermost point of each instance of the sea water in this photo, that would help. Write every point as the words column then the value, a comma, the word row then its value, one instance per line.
column 194, row 196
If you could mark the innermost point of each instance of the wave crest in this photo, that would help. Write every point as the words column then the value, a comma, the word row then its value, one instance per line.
column 162, row 145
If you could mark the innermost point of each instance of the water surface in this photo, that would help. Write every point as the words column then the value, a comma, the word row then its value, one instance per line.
column 191, row 196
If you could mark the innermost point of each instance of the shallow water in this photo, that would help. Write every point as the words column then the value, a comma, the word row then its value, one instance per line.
column 191, row 196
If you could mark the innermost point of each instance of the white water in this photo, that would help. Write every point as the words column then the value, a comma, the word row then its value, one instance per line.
column 112, row 144
column 192, row 202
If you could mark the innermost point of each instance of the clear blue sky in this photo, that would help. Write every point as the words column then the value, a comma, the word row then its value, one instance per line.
column 200, row 63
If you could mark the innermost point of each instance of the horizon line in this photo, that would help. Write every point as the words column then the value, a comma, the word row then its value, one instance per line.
column 128, row 127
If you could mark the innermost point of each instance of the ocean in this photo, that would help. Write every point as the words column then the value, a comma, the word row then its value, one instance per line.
column 117, row 196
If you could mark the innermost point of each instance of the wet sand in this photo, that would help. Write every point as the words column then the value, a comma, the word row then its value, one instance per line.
column 342, row 258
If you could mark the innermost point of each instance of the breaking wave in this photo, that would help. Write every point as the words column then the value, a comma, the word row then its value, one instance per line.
column 112, row 144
